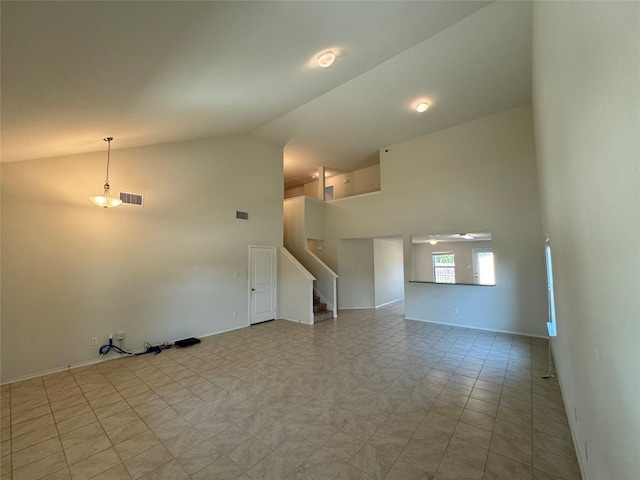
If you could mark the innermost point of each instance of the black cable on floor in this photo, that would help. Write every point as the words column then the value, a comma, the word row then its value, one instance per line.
column 148, row 348
column 104, row 349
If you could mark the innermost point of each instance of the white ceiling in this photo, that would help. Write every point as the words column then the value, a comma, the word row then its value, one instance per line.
column 156, row 72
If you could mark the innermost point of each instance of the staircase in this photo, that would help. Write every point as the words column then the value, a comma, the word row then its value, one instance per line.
column 320, row 312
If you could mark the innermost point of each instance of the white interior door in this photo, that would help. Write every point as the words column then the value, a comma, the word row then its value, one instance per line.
column 262, row 284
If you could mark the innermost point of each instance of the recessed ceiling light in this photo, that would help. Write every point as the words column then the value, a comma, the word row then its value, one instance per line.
column 422, row 107
column 326, row 58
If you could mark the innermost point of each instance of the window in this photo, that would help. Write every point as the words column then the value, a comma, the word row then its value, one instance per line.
column 551, row 325
column 328, row 193
column 444, row 267
column 483, row 268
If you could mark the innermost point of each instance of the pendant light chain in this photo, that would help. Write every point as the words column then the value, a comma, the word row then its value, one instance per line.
column 108, row 140
column 106, row 200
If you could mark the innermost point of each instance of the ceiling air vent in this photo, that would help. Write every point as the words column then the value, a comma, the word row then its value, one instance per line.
column 242, row 215
column 132, row 198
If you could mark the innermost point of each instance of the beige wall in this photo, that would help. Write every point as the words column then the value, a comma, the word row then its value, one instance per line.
column 175, row 268
column 361, row 181
column 474, row 177
column 304, row 218
column 314, row 219
column 587, row 110
column 311, row 190
column 295, row 289
column 356, row 285
column 294, row 192
column 388, row 267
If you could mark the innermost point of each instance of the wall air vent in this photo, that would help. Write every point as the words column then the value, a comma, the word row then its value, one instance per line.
column 132, row 198
column 242, row 215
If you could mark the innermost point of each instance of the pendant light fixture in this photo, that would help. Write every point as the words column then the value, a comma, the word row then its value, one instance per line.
column 106, row 200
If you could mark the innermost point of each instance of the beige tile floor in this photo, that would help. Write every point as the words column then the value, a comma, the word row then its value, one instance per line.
column 368, row 395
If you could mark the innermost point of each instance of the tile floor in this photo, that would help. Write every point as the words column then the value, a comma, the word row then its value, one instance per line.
column 366, row 396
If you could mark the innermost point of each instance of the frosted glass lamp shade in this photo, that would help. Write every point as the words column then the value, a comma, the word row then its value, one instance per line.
column 105, row 200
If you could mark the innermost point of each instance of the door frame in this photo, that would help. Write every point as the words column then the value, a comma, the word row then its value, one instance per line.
column 476, row 266
column 275, row 285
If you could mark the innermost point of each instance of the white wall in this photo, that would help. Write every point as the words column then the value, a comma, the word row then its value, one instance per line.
column 175, row 268
column 480, row 176
column 587, row 111
column 295, row 289
column 388, row 266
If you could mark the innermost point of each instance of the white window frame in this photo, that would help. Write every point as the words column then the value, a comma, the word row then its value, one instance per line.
column 551, row 324
column 451, row 267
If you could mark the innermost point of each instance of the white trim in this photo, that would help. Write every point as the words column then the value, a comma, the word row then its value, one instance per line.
column 314, row 199
column 570, row 418
column 58, row 370
column 294, row 320
column 275, row 286
column 389, row 303
column 509, row 332
column 294, row 199
column 296, row 263
column 222, row 331
column 320, row 262
column 302, row 195
column 355, row 196
column 356, row 308
column 98, row 360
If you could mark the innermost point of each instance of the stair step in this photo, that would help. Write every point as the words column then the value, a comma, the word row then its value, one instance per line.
column 316, row 299
column 319, row 317
column 319, row 307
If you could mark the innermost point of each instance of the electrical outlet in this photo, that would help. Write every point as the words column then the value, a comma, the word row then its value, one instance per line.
column 455, row 311
column 234, row 314
column 94, row 341
column 120, row 335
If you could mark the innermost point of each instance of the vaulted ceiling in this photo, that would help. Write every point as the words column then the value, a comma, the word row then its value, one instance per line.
column 156, row 72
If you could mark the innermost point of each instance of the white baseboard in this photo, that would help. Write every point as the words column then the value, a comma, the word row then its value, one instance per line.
column 294, row 320
column 570, row 417
column 510, row 332
column 389, row 303
column 357, row 308
column 88, row 363
column 73, row 366
column 223, row 331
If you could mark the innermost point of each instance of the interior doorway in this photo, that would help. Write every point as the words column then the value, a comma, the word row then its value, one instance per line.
column 262, row 283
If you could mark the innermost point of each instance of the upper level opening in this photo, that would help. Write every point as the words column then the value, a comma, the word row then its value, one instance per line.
column 337, row 184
